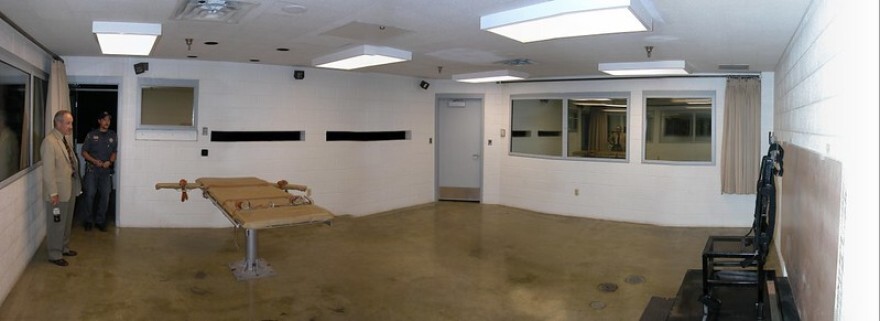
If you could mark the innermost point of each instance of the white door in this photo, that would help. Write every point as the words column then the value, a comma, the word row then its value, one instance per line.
column 459, row 149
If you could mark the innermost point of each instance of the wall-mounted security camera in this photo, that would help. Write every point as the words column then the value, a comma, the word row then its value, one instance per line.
column 141, row 67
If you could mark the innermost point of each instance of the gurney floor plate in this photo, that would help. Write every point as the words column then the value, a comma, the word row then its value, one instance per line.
column 260, row 269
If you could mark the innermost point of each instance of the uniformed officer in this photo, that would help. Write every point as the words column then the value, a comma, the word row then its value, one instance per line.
column 99, row 151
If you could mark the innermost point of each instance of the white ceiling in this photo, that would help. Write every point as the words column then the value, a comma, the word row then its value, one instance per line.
column 444, row 33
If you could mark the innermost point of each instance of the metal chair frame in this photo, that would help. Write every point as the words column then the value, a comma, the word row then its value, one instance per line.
column 739, row 260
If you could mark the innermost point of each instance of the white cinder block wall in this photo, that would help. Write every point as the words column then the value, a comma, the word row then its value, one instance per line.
column 362, row 178
column 675, row 195
column 22, row 218
column 826, row 101
column 22, row 226
column 354, row 178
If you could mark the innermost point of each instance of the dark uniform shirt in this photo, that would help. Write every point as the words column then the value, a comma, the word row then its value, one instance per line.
column 100, row 145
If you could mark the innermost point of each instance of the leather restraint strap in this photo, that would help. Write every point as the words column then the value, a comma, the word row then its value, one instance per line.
column 183, row 196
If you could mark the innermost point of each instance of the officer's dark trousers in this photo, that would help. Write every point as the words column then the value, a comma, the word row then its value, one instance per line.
column 96, row 184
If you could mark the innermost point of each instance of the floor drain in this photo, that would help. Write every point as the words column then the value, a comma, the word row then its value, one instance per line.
column 635, row 279
column 607, row 287
column 598, row 305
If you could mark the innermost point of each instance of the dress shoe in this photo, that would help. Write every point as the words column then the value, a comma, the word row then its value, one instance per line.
column 69, row 253
column 59, row 262
column 87, row 226
column 101, row 227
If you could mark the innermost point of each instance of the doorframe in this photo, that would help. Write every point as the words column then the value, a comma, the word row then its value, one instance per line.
column 120, row 132
column 437, row 98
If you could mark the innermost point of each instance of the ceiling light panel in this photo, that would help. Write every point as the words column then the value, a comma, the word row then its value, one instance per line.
column 362, row 56
column 126, row 38
column 568, row 18
column 646, row 68
column 491, row 76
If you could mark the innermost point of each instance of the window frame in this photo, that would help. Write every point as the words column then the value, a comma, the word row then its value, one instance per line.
column 167, row 132
column 34, row 147
column 658, row 136
column 566, row 127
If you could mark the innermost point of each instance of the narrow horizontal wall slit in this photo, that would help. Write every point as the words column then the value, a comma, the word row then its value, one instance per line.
column 367, row 136
column 256, row 136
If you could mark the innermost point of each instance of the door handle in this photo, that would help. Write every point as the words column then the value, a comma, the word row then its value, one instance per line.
column 476, row 156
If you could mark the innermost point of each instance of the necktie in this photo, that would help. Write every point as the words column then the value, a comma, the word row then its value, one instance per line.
column 69, row 155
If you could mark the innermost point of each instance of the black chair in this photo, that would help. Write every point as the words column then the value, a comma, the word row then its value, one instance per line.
column 739, row 260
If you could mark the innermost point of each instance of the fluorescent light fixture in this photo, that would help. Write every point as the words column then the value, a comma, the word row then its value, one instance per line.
column 568, row 18
column 126, row 38
column 646, row 68
column 491, row 76
column 362, row 56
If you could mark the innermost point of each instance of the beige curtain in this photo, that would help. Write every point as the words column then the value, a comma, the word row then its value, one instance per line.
column 59, row 93
column 740, row 148
column 24, row 152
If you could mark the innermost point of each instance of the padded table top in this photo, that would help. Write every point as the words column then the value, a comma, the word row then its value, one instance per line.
column 254, row 203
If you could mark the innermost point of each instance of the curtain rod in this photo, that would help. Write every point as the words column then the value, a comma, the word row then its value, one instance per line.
column 743, row 75
column 28, row 36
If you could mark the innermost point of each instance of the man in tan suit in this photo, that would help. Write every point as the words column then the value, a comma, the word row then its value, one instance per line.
column 61, row 185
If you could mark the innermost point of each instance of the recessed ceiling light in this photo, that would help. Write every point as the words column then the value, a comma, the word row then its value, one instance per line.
column 294, row 9
column 211, row 43
column 283, row 49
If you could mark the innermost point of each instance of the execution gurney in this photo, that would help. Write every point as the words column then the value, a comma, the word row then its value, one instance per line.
column 254, row 204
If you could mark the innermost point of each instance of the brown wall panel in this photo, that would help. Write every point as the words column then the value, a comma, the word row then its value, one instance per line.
column 810, row 218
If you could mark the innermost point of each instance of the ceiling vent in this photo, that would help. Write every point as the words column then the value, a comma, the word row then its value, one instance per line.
column 516, row 62
column 735, row 67
column 228, row 11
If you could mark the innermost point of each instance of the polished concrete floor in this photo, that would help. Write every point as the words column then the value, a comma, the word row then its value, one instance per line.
column 441, row 261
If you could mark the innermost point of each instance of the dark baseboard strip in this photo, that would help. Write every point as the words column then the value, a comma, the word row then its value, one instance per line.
column 786, row 300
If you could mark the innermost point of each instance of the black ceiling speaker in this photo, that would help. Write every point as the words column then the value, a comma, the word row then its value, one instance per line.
column 424, row 85
column 299, row 74
column 140, row 68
